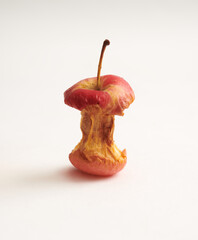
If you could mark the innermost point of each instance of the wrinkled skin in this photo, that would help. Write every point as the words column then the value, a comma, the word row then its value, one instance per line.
column 97, row 153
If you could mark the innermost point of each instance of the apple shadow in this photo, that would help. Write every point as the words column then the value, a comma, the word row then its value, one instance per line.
column 65, row 176
column 74, row 175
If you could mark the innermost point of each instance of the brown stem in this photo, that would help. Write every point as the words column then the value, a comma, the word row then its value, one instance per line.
column 105, row 43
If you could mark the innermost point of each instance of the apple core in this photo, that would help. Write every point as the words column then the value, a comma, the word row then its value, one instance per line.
column 99, row 99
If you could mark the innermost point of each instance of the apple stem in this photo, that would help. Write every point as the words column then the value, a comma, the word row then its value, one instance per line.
column 105, row 43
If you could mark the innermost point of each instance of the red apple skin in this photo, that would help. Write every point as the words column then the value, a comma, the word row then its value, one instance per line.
column 98, row 168
column 79, row 98
column 114, row 96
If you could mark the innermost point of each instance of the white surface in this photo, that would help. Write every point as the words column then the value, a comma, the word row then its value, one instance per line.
column 47, row 46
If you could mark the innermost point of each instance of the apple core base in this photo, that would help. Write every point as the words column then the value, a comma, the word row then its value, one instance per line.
column 100, row 167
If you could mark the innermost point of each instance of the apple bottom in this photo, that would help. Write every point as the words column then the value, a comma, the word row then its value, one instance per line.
column 98, row 166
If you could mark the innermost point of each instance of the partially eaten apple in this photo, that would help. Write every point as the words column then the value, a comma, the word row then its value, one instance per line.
column 99, row 99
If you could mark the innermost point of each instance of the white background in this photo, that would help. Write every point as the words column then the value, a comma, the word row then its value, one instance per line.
column 46, row 47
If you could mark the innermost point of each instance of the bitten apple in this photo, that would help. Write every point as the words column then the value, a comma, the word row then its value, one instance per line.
column 99, row 99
